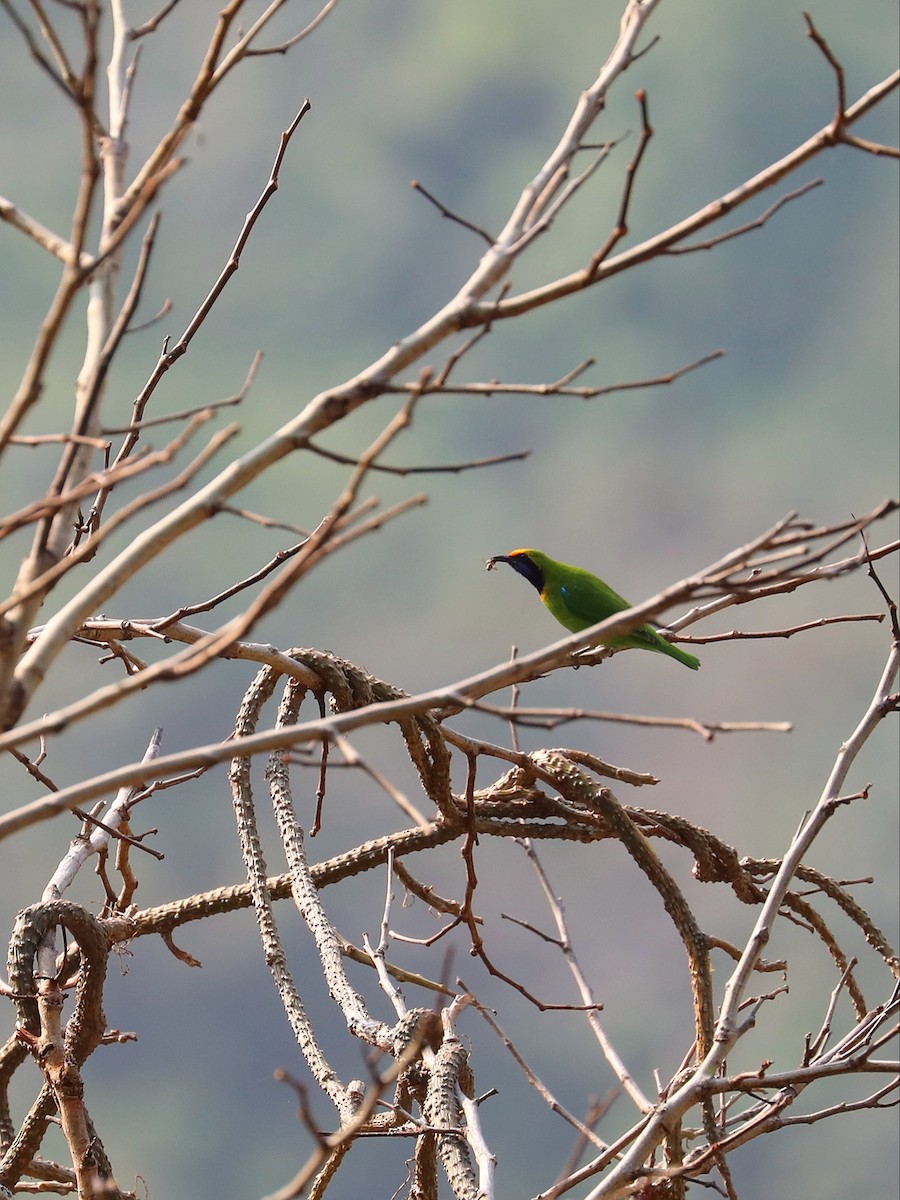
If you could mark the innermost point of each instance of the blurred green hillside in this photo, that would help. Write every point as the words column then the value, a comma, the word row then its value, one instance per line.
column 643, row 487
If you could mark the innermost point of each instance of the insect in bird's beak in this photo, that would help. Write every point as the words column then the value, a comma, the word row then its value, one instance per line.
column 490, row 564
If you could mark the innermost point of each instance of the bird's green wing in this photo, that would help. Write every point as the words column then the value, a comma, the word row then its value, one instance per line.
column 585, row 598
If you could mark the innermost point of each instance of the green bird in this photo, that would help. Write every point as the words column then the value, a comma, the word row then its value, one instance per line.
column 579, row 599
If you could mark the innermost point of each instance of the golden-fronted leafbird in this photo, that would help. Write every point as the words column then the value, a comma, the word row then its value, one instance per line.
column 579, row 599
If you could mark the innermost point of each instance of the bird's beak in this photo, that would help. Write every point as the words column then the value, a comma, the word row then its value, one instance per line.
column 492, row 562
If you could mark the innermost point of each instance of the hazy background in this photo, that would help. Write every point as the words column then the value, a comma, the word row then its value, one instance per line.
column 644, row 488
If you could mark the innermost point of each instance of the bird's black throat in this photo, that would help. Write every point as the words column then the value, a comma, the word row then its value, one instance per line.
column 526, row 568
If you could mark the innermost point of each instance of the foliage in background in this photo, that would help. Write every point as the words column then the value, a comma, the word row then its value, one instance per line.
column 135, row 515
